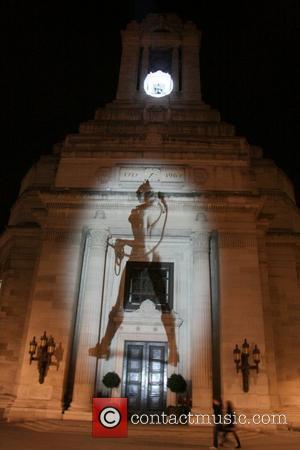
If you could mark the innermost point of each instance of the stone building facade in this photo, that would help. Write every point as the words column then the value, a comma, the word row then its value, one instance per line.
column 108, row 250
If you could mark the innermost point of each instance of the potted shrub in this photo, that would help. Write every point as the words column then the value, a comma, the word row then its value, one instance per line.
column 177, row 384
column 111, row 380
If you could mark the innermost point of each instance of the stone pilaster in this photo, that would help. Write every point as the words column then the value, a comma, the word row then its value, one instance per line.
column 242, row 316
column 270, row 357
column 190, row 64
column 129, row 63
column 201, row 324
column 89, row 313
column 144, row 69
column 175, row 68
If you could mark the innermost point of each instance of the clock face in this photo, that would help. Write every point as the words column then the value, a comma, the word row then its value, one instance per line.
column 158, row 84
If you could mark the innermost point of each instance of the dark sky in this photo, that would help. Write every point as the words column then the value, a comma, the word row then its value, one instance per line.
column 61, row 62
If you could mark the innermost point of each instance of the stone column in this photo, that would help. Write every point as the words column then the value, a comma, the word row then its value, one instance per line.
column 201, row 325
column 90, row 310
column 129, row 64
column 144, row 68
column 270, row 356
column 175, row 69
column 190, row 64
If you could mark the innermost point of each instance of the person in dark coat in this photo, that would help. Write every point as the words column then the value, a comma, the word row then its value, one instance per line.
column 229, row 425
column 218, row 420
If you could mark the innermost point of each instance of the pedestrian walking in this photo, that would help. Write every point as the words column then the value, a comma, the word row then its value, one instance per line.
column 229, row 425
column 218, row 421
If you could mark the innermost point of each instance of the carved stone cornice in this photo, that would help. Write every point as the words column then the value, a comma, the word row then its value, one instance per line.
column 62, row 235
column 196, row 201
column 237, row 240
column 12, row 232
column 282, row 238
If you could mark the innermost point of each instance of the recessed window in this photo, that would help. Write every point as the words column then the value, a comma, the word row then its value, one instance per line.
column 149, row 281
column 160, row 59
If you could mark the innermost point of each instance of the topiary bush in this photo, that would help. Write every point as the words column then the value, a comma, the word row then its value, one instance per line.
column 176, row 383
column 111, row 380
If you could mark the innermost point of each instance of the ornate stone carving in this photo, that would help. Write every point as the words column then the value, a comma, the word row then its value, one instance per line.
column 162, row 174
column 100, row 214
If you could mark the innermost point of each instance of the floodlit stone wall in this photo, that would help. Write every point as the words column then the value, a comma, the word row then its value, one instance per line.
column 59, row 273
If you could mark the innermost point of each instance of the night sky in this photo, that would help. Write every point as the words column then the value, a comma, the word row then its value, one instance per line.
column 61, row 62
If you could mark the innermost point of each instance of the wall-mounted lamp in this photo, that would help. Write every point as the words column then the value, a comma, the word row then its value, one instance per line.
column 241, row 359
column 42, row 353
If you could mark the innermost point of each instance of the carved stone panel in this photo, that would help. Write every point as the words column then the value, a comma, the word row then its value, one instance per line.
column 162, row 174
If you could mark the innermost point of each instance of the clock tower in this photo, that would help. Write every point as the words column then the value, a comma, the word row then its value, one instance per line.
column 160, row 43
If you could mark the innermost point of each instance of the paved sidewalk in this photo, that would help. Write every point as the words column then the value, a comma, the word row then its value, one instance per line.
column 65, row 435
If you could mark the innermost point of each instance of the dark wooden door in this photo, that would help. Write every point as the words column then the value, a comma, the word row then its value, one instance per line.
column 145, row 376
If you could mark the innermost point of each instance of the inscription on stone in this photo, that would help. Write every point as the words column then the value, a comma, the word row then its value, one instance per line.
column 163, row 174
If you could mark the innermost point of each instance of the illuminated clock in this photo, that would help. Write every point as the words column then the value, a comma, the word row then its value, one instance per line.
column 158, row 84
